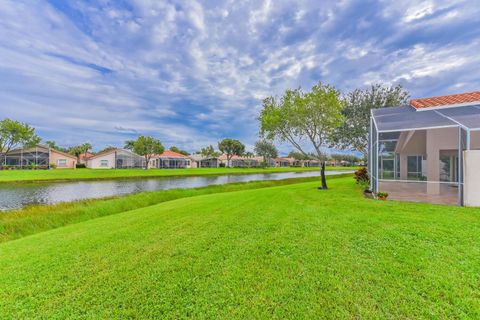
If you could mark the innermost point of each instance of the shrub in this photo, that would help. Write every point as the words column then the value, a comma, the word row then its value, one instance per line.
column 382, row 195
column 80, row 165
column 222, row 165
column 362, row 178
column 53, row 166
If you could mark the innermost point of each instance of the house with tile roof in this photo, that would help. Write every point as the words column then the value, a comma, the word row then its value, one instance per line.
column 241, row 161
column 283, row 161
column 428, row 150
column 170, row 160
column 199, row 161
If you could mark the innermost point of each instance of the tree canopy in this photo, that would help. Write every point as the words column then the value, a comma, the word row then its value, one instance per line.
column 231, row 147
column 209, row 152
column 146, row 146
column 15, row 134
column 80, row 149
column 353, row 134
column 304, row 119
column 300, row 156
column 52, row 144
column 265, row 149
column 108, row 148
column 178, row 150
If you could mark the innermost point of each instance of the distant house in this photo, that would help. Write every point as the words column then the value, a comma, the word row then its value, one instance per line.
column 283, row 162
column 241, row 162
column 116, row 159
column 199, row 161
column 311, row 163
column 40, row 156
column 170, row 160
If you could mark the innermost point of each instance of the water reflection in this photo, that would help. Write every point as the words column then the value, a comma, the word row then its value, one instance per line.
column 14, row 196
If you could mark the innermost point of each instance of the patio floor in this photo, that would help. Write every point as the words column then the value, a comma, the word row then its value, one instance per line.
column 417, row 192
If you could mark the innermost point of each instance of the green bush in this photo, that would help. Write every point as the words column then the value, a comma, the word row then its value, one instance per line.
column 382, row 195
column 362, row 178
column 80, row 166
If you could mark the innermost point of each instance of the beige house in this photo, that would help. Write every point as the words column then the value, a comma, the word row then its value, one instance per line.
column 40, row 156
column 428, row 151
column 62, row 160
column 283, row 162
column 199, row 161
column 170, row 160
column 240, row 162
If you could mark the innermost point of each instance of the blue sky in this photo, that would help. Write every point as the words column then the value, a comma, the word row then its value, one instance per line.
column 192, row 72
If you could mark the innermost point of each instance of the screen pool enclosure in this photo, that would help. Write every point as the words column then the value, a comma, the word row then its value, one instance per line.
column 419, row 154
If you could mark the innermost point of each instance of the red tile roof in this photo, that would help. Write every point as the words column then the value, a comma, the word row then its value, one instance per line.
column 284, row 159
column 440, row 101
column 171, row 154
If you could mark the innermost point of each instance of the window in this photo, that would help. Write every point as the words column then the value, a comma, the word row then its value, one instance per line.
column 414, row 168
column 103, row 163
column 61, row 162
column 389, row 161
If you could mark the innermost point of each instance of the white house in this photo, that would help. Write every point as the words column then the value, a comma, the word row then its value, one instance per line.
column 116, row 159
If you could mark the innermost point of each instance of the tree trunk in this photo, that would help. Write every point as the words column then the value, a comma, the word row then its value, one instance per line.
column 322, row 174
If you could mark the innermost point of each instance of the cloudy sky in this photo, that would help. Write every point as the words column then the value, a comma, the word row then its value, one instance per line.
column 191, row 72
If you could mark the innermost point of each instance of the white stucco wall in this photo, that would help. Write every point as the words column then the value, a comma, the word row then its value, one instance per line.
column 95, row 163
column 471, row 187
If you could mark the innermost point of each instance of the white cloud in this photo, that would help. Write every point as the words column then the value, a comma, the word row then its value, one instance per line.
column 192, row 72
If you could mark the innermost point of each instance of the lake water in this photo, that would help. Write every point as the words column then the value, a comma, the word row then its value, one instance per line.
column 19, row 195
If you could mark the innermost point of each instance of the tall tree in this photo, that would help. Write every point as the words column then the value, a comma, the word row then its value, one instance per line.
column 265, row 149
column 52, row 144
column 108, row 148
column 353, row 134
column 80, row 149
column 147, row 147
column 304, row 118
column 129, row 144
column 15, row 134
column 209, row 152
column 178, row 150
column 231, row 147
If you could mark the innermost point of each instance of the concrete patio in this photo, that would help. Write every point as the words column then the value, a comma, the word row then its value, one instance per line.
column 417, row 192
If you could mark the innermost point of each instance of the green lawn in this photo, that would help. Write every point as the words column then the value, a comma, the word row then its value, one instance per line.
column 19, row 223
column 282, row 252
column 86, row 174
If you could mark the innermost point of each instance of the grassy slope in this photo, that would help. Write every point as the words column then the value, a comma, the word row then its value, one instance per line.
column 34, row 219
column 86, row 174
column 290, row 251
